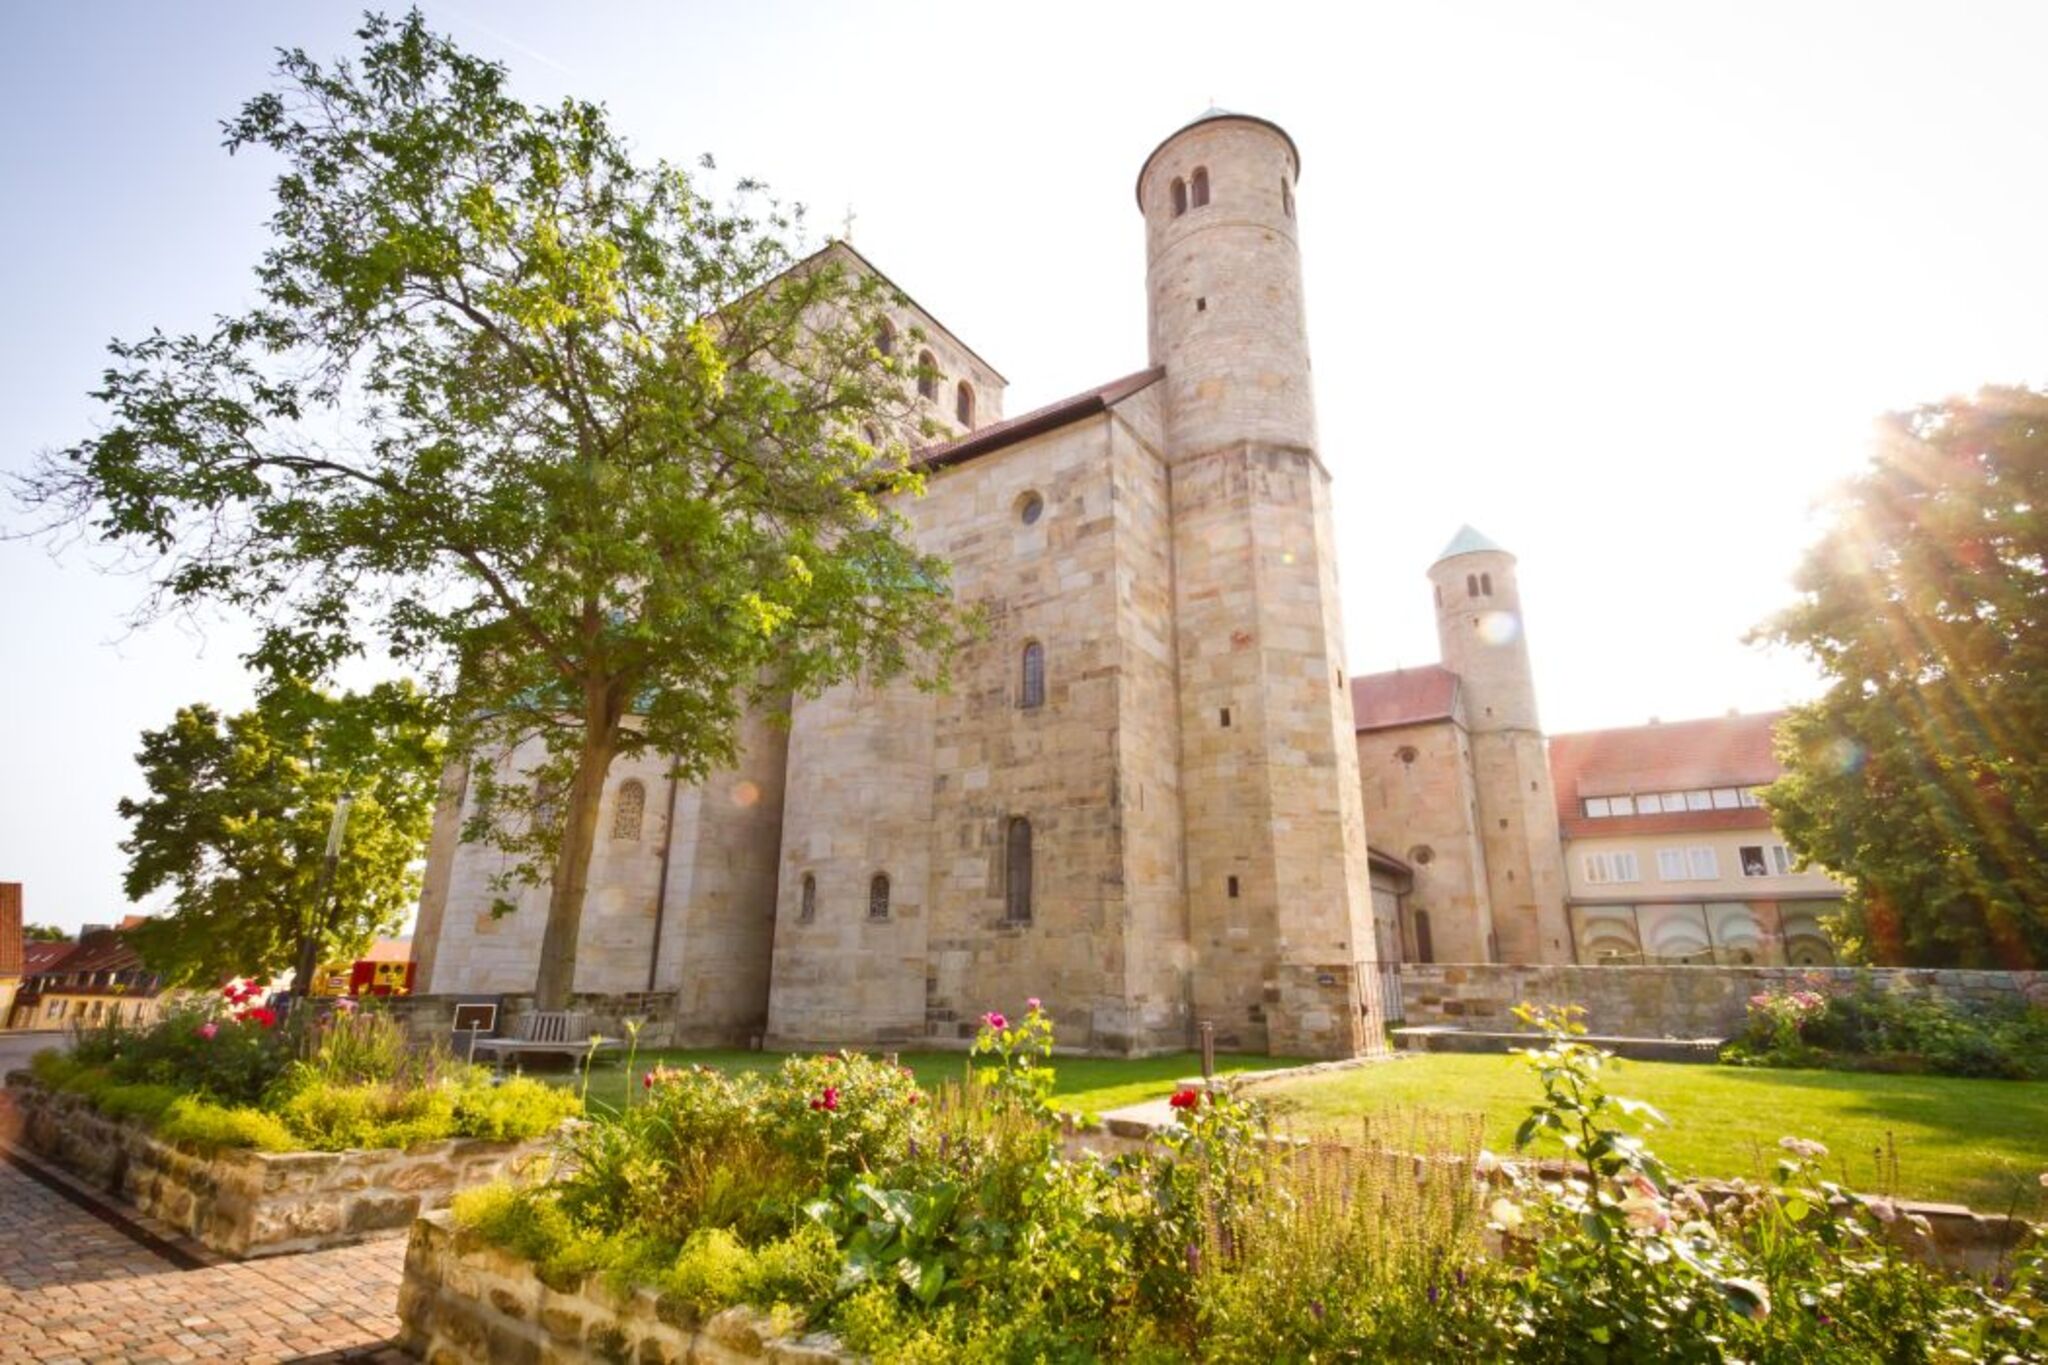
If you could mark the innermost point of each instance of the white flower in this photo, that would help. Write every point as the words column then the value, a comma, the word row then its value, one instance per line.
column 1803, row 1148
column 1507, row 1213
column 1486, row 1163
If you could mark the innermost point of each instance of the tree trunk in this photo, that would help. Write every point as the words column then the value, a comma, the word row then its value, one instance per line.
column 557, row 975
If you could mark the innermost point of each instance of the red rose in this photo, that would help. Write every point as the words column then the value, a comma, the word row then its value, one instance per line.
column 263, row 1015
column 1185, row 1099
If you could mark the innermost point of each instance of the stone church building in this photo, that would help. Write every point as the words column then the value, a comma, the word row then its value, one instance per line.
column 1140, row 799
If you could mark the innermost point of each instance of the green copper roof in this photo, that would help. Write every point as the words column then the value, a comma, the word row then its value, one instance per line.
column 1469, row 542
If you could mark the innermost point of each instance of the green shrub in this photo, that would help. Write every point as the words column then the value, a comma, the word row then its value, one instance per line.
column 145, row 1102
column 213, row 1126
column 709, row 1273
column 1876, row 1028
column 799, row 1271
column 328, row 1116
column 513, row 1110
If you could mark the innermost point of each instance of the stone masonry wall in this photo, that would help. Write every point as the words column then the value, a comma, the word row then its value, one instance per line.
column 248, row 1204
column 1669, row 1002
column 1424, row 809
column 465, row 1300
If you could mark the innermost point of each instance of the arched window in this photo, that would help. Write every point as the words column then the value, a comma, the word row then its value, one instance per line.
column 927, row 375
column 1286, row 197
column 885, row 336
column 1032, row 692
column 1180, row 196
column 872, row 434
column 1017, row 871
column 878, row 896
column 1486, row 585
column 807, row 905
column 1471, row 585
column 627, row 810
column 963, row 404
column 1198, row 187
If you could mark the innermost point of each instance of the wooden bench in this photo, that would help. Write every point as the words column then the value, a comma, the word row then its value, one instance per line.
column 557, row 1033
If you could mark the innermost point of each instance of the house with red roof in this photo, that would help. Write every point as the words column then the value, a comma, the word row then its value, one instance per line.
column 96, row 979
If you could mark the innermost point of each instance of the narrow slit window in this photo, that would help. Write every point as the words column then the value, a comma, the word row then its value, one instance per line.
column 807, row 906
column 1233, row 888
column 1032, row 691
column 1198, row 188
column 1017, row 871
column 878, row 896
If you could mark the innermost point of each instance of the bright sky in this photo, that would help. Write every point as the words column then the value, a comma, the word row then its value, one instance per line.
column 1622, row 285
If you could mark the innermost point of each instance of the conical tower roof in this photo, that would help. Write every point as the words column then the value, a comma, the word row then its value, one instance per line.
column 1469, row 542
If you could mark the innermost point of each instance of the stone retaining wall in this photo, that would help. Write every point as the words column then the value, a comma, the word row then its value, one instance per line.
column 247, row 1204
column 1670, row 1002
column 465, row 1300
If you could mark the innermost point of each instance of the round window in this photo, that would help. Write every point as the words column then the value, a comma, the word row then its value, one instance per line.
column 1422, row 855
column 1030, row 508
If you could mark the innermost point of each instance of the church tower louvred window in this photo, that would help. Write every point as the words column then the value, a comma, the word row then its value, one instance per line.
column 1180, row 196
column 1032, row 692
column 628, row 809
column 1017, row 871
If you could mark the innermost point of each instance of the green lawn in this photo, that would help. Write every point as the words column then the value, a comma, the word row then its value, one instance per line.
column 1962, row 1141
column 1090, row 1085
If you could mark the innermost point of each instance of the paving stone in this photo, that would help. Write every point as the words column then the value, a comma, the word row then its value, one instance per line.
column 76, row 1287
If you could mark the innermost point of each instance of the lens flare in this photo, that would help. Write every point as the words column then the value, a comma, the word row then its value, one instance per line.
column 1846, row 754
column 1499, row 627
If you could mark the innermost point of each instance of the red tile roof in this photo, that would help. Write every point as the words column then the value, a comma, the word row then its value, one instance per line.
column 44, row 956
column 1724, row 751
column 1406, row 696
column 1038, row 421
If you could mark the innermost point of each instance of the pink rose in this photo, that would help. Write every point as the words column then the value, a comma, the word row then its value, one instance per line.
column 828, row 1102
column 208, row 1029
column 995, row 1021
column 1032, row 1003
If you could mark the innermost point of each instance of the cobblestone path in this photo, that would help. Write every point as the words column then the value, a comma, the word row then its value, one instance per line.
column 76, row 1287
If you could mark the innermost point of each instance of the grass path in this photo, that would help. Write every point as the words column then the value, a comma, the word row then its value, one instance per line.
column 1971, row 1142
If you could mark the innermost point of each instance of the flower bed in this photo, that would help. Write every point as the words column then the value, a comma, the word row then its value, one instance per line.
column 246, row 1203
column 259, row 1137
column 835, row 1198
column 1861, row 1025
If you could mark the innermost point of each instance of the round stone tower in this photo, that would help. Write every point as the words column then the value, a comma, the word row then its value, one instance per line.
column 1480, row 632
column 1279, row 902
column 1223, row 279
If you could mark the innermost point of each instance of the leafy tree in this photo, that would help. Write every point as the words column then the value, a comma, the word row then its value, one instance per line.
column 44, row 933
column 236, row 824
column 1922, row 774
column 563, row 432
